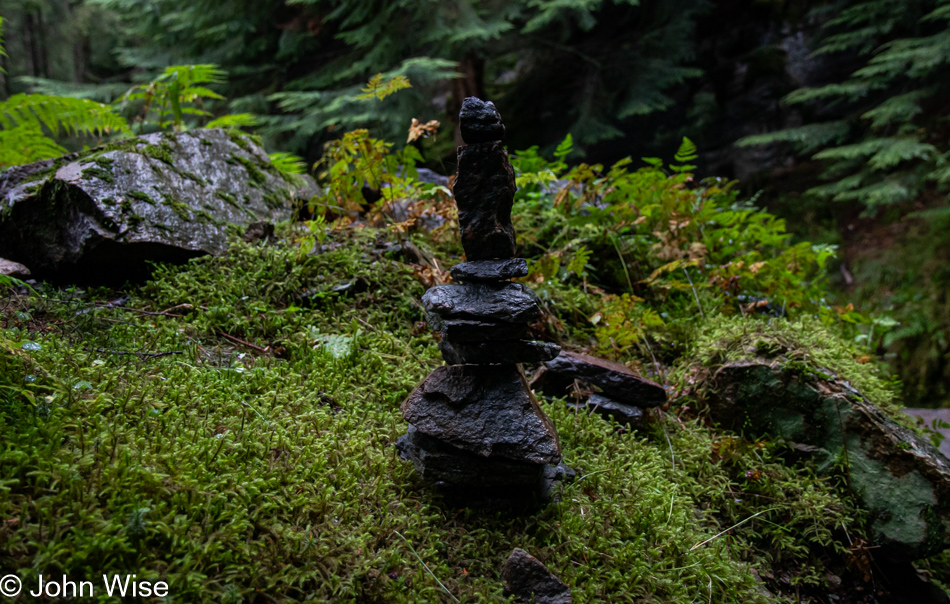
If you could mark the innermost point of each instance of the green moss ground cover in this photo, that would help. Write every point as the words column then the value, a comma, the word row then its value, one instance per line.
column 229, row 427
column 242, row 475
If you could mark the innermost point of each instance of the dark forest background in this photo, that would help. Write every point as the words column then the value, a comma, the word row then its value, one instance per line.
column 833, row 115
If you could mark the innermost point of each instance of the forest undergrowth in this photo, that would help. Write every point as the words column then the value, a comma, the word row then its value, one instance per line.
column 228, row 426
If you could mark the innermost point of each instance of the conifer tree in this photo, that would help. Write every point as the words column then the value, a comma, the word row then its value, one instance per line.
column 889, row 140
column 580, row 67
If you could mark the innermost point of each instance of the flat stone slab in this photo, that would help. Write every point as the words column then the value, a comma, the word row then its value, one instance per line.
column 530, row 581
column 473, row 330
column 441, row 463
column 611, row 409
column 480, row 122
column 490, row 270
column 509, row 302
column 506, row 352
column 899, row 477
column 484, row 193
column 616, row 381
column 485, row 409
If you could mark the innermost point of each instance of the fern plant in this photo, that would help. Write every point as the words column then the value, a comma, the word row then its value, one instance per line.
column 179, row 91
column 29, row 123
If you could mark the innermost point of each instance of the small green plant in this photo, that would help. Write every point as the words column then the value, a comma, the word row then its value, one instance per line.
column 179, row 91
column 673, row 247
column 357, row 161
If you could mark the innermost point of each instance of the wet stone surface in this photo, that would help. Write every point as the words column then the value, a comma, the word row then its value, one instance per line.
column 475, row 424
column 473, row 330
column 610, row 409
column 102, row 215
column 440, row 463
column 484, row 193
column 899, row 477
column 484, row 409
column 480, row 122
column 616, row 381
column 490, row 270
column 530, row 581
column 509, row 302
column 514, row 351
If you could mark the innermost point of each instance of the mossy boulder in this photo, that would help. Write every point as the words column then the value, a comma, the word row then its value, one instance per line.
column 102, row 215
column 897, row 475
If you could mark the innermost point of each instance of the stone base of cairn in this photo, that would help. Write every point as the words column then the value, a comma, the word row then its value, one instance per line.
column 475, row 424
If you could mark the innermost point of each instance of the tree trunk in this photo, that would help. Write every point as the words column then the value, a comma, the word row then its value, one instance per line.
column 29, row 44
column 42, row 43
column 472, row 83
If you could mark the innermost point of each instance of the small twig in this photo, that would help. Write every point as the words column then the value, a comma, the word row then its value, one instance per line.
column 668, row 442
column 242, row 342
column 141, row 355
column 655, row 363
column 591, row 474
column 425, row 566
column 107, row 319
column 695, row 295
column 184, row 306
column 737, row 525
column 140, row 311
column 623, row 264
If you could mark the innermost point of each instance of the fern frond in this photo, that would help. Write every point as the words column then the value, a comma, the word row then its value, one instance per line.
column 288, row 163
column 25, row 144
column 234, row 121
column 189, row 75
column 60, row 115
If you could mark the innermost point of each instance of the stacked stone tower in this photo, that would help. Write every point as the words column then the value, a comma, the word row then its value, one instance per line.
column 475, row 423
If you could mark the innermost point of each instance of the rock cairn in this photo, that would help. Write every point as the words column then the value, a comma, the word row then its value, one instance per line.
column 475, row 422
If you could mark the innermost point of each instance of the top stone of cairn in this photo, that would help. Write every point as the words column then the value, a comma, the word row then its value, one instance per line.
column 480, row 122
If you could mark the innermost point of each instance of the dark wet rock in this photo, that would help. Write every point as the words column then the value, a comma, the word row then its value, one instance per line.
column 554, row 477
column 508, row 352
column 13, row 269
column 484, row 193
column 473, row 330
column 102, row 215
column 530, row 581
column 490, row 270
column 427, row 176
column 442, row 464
column 898, row 476
column 509, row 302
column 611, row 409
column 259, row 231
column 356, row 286
column 485, row 409
column 314, row 295
column 616, row 381
column 480, row 122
